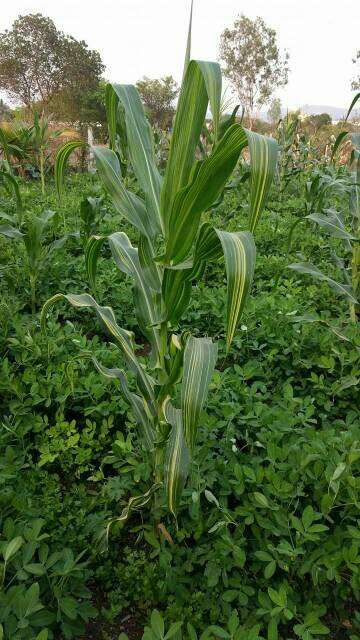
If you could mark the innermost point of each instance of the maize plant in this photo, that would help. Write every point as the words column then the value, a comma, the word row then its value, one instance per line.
column 42, row 137
column 10, row 185
column 23, row 143
column 173, row 249
column 333, row 223
column 320, row 189
column 37, row 247
column 355, row 226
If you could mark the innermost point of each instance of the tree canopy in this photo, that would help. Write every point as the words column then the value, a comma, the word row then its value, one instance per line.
column 5, row 111
column 252, row 61
column 158, row 97
column 40, row 64
column 274, row 112
column 318, row 120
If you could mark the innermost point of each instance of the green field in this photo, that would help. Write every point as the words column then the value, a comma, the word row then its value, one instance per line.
column 268, row 523
column 180, row 351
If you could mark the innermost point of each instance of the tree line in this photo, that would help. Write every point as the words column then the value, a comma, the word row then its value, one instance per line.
column 43, row 68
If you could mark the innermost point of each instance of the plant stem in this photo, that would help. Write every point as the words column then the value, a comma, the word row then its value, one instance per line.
column 42, row 174
column 291, row 233
column 355, row 278
column 33, row 293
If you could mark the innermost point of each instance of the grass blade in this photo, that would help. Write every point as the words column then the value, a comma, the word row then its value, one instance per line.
column 124, row 339
column 202, row 83
column 199, row 362
column 263, row 161
column 141, row 147
column 127, row 204
column 310, row 269
column 177, row 458
column 62, row 155
column 239, row 253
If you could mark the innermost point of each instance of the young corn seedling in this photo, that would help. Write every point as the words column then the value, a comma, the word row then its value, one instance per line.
column 38, row 249
column 10, row 185
column 173, row 249
column 42, row 137
column 333, row 223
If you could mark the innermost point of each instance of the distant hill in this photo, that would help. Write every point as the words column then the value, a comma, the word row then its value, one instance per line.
column 336, row 113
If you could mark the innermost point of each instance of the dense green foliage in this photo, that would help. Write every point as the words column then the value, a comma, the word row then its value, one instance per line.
column 268, row 525
column 39, row 63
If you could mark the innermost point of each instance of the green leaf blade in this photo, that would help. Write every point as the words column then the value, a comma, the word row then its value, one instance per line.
column 240, row 254
column 199, row 363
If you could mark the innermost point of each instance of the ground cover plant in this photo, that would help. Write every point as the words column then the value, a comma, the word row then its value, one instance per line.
column 262, row 478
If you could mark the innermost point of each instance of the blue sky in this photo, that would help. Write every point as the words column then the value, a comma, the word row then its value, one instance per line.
column 147, row 37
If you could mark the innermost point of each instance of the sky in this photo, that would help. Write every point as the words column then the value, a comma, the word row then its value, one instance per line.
column 148, row 37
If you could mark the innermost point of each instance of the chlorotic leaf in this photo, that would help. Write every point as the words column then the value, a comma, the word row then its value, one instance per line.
column 177, row 457
column 199, row 363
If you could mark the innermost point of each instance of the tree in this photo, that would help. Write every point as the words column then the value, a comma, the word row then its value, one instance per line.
column 158, row 97
column 253, row 63
column 5, row 111
column 318, row 120
column 356, row 82
column 40, row 64
column 86, row 107
column 274, row 112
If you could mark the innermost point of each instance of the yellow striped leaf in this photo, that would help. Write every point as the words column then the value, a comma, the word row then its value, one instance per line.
column 147, row 301
column 199, row 362
column 209, row 181
column 139, row 406
column 127, row 204
column 141, row 145
column 239, row 253
column 201, row 85
column 124, row 339
column 177, row 458
column 135, row 503
column 263, row 161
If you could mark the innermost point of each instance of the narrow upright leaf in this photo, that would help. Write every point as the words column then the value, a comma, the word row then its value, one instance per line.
column 111, row 104
column 263, row 161
column 310, row 269
column 8, row 177
column 177, row 457
column 353, row 103
column 147, row 301
column 127, row 204
column 188, row 42
column 141, row 148
column 202, row 83
column 92, row 252
column 239, row 253
column 199, row 362
column 200, row 194
column 342, row 135
column 62, row 155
